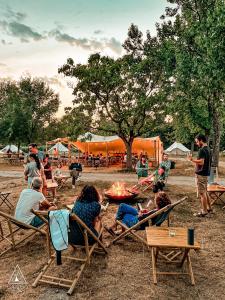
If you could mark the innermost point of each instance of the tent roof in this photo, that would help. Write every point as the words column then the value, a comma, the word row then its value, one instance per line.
column 13, row 148
column 60, row 147
column 179, row 146
column 89, row 137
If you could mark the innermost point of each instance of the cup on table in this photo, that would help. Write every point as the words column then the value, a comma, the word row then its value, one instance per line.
column 172, row 232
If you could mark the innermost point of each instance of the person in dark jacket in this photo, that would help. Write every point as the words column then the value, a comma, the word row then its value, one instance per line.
column 75, row 169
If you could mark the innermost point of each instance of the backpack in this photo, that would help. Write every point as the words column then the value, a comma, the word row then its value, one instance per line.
column 173, row 165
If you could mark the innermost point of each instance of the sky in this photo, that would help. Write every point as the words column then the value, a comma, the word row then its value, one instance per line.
column 37, row 37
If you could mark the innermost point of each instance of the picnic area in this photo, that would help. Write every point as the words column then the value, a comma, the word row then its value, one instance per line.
column 112, row 150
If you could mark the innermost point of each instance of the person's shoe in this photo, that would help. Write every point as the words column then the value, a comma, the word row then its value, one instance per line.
column 73, row 186
column 200, row 214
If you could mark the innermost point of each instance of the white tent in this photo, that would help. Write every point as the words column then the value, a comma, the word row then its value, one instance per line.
column 93, row 138
column 177, row 149
column 13, row 148
column 60, row 147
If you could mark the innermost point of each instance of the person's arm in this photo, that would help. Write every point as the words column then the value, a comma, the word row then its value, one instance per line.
column 46, row 205
column 26, row 171
column 198, row 161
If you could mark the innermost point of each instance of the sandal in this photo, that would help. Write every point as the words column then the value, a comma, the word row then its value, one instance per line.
column 110, row 231
column 200, row 214
column 210, row 210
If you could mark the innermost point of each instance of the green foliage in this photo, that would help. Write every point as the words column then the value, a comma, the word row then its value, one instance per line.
column 122, row 92
column 26, row 108
column 193, row 47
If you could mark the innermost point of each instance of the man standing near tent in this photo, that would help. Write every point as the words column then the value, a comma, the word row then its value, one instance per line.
column 75, row 169
column 202, row 171
column 33, row 149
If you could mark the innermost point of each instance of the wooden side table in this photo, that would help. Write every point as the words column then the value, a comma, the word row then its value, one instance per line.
column 215, row 193
column 159, row 240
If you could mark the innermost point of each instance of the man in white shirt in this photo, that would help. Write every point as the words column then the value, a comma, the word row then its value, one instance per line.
column 32, row 199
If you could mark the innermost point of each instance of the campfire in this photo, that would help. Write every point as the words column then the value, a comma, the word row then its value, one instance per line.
column 119, row 192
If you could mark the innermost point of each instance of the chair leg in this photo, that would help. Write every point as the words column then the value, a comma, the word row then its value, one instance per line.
column 11, row 234
column 154, row 266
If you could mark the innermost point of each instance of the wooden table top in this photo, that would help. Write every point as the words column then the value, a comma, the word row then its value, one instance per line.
column 159, row 237
column 216, row 188
column 51, row 185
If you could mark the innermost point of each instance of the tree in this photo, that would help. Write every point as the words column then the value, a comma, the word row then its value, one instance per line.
column 123, row 92
column 40, row 104
column 13, row 122
column 27, row 107
column 194, row 44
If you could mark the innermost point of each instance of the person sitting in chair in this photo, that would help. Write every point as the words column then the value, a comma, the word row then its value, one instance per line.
column 87, row 207
column 158, row 179
column 75, row 169
column 32, row 198
column 130, row 216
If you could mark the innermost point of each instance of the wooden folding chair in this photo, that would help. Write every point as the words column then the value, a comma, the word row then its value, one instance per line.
column 15, row 227
column 159, row 217
column 142, row 186
column 4, row 199
column 89, row 249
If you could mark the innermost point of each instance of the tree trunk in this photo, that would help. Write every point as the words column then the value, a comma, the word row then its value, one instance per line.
column 216, row 138
column 129, row 153
column 18, row 146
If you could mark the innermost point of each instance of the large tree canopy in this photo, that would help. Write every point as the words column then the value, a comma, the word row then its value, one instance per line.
column 27, row 107
column 194, row 43
column 123, row 92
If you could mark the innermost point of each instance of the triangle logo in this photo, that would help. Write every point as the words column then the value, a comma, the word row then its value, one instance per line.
column 17, row 277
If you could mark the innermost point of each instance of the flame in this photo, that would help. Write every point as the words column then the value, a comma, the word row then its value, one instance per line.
column 118, row 189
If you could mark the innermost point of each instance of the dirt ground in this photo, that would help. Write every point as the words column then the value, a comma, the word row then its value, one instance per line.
column 126, row 273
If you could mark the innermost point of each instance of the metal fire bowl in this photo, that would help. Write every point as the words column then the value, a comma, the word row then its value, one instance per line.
column 121, row 197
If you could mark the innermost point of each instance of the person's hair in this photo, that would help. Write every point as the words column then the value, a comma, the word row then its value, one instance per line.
column 201, row 137
column 36, row 183
column 33, row 145
column 162, row 200
column 34, row 156
column 46, row 155
column 89, row 194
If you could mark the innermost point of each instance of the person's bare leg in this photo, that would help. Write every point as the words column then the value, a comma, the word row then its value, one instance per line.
column 203, row 203
column 209, row 207
column 98, row 225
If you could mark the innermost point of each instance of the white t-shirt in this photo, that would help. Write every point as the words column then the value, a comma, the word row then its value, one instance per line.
column 29, row 199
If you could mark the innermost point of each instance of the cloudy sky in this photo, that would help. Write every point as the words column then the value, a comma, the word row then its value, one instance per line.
column 38, row 36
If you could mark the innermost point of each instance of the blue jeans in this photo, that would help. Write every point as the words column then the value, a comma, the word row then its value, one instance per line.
column 37, row 222
column 127, row 214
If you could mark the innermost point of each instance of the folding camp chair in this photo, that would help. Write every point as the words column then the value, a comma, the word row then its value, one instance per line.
column 4, row 199
column 89, row 249
column 159, row 217
column 15, row 227
column 142, row 186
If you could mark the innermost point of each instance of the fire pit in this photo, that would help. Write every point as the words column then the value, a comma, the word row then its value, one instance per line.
column 118, row 192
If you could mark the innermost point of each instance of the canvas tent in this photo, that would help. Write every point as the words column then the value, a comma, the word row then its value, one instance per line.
column 60, row 147
column 110, row 145
column 13, row 148
column 177, row 149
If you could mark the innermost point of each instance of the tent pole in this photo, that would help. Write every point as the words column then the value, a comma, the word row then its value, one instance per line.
column 107, row 156
column 155, row 151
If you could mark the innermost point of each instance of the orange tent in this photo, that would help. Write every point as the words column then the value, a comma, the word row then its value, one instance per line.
column 111, row 145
